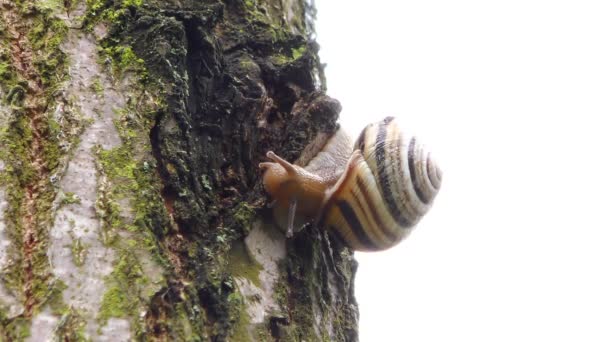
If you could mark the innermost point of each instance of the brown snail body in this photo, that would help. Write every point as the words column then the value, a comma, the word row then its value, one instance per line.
column 371, row 195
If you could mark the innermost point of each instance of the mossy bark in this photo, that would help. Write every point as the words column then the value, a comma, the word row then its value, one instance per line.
column 196, row 92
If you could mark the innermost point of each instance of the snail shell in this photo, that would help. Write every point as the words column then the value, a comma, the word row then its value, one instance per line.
column 371, row 197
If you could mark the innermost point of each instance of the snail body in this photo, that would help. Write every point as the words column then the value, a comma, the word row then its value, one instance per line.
column 371, row 195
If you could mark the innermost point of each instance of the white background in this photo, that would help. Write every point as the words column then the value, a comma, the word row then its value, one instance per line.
column 512, row 98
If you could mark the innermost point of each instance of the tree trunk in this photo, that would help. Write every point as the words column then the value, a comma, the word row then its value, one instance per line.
column 131, row 205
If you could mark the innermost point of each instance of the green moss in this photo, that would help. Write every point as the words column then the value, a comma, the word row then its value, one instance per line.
column 113, row 12
column 45, row 36
column 239, row 318
column 114, row 304
column 128, row 175
column 204, row 178
column 71, row 327
column 119, row 166
column 5, row 71
column 49, row 4
column 16, row 140
column 70, row 198
column 135, row 180
column 265, row 21
column 96, row 86
column 79, row 251
column 183, row 328
column 55, row 297
column 94, row 6
column 121, row 299
column 285, row 58
column 258, row 13
column 132, row 3
column 131, row 171
column 243, row 215
column 107, row 210
column 123, row 58
column 242, row 264
column 250, row 4
column 17, row 329
column 16, row 96
column 298, row 52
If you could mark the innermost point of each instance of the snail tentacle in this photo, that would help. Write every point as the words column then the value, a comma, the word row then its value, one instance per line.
column 291, row 216
column 284, row 163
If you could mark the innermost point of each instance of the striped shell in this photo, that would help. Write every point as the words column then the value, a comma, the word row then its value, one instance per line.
column 389, row 183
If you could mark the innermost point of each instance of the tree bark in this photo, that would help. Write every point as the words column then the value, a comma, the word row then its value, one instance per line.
column 131, row 205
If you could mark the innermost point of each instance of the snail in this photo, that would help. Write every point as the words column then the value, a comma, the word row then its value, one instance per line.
column 371, row 195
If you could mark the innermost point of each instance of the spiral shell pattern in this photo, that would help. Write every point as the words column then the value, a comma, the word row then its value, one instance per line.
column 389, row 184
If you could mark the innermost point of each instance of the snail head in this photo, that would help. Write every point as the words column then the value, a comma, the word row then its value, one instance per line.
column 292, row 188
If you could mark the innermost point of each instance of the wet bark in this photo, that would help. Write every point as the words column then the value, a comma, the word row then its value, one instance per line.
column 130, row 199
